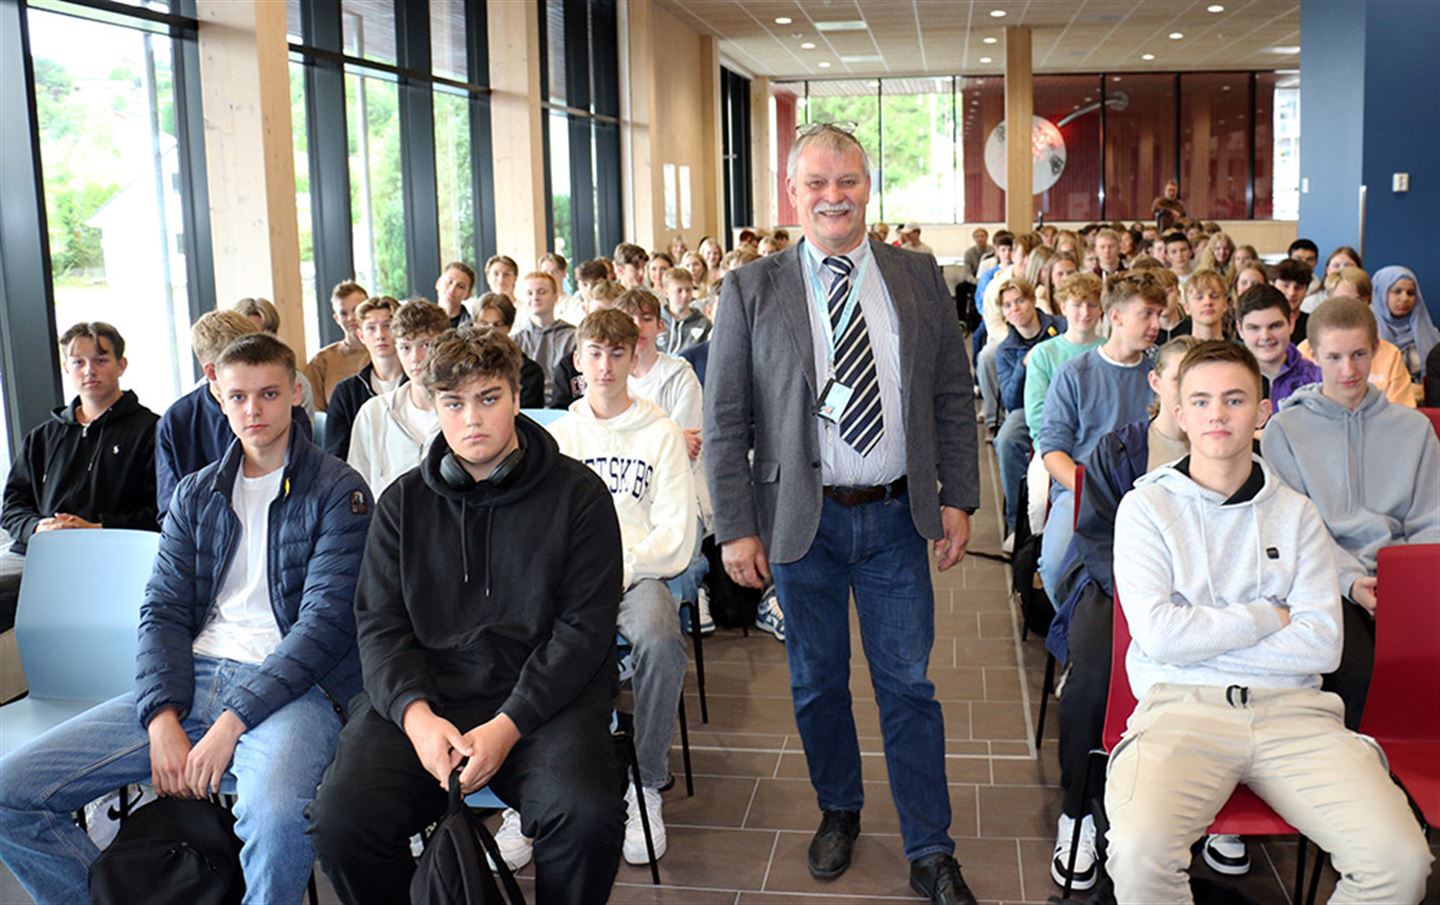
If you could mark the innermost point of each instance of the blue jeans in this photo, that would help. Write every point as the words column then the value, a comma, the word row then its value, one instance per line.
column 875, row 550
column 276, row 768
column 1059, row 531
column 1012, row 446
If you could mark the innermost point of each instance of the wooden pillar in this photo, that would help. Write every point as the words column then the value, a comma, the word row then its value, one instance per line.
column 641, row 179
column 761, row 152
column 708, row 216
column 515, row 126
column 1019, row 108
column 250, row 157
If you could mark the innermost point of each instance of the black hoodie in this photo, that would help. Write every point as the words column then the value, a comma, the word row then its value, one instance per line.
column 103, row 471
column 499, row 598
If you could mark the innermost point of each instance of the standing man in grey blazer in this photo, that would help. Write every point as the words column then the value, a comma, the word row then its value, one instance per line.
column 839, row 365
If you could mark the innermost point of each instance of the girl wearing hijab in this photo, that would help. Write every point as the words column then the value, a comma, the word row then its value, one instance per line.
column 1402, row 317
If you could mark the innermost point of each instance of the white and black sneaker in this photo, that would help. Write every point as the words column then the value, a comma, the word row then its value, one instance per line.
column 1227, row 855
column 634, row 848
column 515, row 847
column 1086, row 869
column 769, row 617
column 702, row 606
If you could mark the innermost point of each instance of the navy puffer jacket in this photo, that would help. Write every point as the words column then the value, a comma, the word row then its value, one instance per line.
column 317, row 530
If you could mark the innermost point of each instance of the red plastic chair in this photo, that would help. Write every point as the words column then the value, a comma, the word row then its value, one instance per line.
column 1400, row 712
column 1243, row 815
column 1434, row 416
column 1079, row 489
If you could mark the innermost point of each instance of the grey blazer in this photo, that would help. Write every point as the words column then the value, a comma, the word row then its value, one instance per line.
column 761, row 390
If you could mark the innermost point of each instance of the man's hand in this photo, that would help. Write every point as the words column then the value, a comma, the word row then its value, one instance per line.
column 950, row 549
column 50, row 524
column 1363, row 593
column 490, row 743
column 211, row 756
column 693, row 442
column 745, row 561
column 436, row 741
column 1284, row 613
column 75, row 521
column 169, row 748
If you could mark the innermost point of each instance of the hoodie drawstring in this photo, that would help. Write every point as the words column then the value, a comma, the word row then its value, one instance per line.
column 489, row 534
column 464, row 539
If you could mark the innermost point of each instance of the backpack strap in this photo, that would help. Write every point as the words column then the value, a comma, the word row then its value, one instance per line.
column 513, row 892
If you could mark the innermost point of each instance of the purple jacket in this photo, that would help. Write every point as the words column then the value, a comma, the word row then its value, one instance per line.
column 1294, row 374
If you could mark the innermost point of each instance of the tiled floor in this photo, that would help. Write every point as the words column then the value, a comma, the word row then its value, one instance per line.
column 742, row 837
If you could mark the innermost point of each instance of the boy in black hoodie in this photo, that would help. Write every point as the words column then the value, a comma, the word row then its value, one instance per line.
column 487, row 643
column 91, row 465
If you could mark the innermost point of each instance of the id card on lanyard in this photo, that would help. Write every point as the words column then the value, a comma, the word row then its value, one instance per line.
column 835, row 396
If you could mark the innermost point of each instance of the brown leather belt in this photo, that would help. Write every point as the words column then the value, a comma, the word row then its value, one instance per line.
column 855, row 496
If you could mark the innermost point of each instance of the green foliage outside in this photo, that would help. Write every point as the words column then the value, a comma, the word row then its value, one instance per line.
column 380, row 164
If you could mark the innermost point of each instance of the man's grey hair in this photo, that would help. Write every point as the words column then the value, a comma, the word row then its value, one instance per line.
column 830, row 138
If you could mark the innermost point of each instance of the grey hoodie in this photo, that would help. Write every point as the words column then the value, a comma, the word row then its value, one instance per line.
column 1200, row 580
column 1374, row 473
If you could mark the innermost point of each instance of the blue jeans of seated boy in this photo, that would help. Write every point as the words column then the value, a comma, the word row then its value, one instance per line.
column 686, row 585
column 874, row 549
column 1012, row 446
column 650, row 622
column 1059, row 531
column 276, row 768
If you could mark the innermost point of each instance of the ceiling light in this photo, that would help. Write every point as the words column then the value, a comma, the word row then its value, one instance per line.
column 841, row 25
column 1284, row 50
column 862, row 58
column 1215, row 8
column 783, row 20
column 986, row 60
column 990, row 41
column 997, row 13
column 1147, row 57
column 824, row 64
column 808, row 45
column 1175, row 35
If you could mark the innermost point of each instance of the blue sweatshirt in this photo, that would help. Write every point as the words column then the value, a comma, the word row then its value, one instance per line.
column 1089, row 397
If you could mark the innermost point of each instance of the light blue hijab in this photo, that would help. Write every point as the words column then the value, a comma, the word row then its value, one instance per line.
column 1415, row 329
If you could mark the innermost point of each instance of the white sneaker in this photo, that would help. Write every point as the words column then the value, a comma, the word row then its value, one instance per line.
column 1086, row 872
column 1007, row 546
column 1227, row 855
column 702, row 604
column 769, row 617
column 515, row 847
column 634, row 847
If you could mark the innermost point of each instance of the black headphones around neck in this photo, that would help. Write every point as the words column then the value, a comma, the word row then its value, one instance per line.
column 457, row 478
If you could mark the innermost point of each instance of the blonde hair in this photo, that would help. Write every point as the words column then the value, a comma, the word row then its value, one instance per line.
column 216, row 330
column 263, row 309
column 1355, row 276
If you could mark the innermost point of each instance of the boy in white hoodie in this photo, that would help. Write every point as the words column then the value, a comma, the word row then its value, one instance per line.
column 393, row 430
column 1228, row 584
column 1370, row 466
column 640, row 454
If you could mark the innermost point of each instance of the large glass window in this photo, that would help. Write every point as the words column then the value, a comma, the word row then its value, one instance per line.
column 376, row 199
column 447, row 40
column 304, row 217
column 105, row 103
column 1215, row 154
column 368, row 27
column 562, row 221
column 453, row 183
column 917, row 150
column 1140, row 143
column 854, row 103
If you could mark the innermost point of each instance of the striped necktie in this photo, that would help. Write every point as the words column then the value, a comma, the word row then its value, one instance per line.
column 862, row 424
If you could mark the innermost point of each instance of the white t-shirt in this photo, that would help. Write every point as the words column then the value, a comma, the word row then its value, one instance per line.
column 419, row 422
column 381, row 387
column 242, row 624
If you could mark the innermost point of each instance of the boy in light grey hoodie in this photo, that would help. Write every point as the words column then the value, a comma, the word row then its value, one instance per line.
column 1229, row 587
column 1372, row 468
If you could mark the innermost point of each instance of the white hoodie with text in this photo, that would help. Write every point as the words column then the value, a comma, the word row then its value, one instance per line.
column 640, row 455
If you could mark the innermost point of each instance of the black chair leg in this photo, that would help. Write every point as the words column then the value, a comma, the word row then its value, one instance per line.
column 1315, row 877
column 1300, row 869
column 313, row 889
column 640, row 801
column 685, row 750
column 1079, row 821
column 1045, row 698
column 697, row 641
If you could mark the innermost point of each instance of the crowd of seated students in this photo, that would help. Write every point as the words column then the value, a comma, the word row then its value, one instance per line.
column 1076, row 363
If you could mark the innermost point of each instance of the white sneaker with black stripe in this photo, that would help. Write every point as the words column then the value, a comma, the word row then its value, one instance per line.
column 1086, row 869
column 1227, row 855
column 515, row 847
column 769, row 617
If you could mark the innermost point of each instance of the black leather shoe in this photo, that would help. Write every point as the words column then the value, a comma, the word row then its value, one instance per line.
column 833, row 844
column 937, row 877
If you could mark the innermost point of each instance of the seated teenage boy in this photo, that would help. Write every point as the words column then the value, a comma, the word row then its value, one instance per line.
column 684, row 326
column 1028, row 328
column 1091, row 396
column 1370, row 466
column 487, row 639
column 452, row 288
column 640, row 455
column 1265, row 322
column 380, row 376
column 247, row 653
column 345, row 357
column 569, row 383
column 497, row 311
column 194, row 431
column 545, row 339
column 1229, row 587
column 1292, row 277
column 92, row 465
column 393, row 430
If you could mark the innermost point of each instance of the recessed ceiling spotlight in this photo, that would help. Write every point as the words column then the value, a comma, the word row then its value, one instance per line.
column 824, row 64
column 808, row 45
column 783, row 20
column 990, row 41
column 1175, row 35
column 997, row 14
column 986, row 60
column 1147, row 57
column 1215, row 8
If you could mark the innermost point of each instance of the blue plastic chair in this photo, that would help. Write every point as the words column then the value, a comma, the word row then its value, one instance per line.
column 317, row 425
column 544, row 417
column 76, row 625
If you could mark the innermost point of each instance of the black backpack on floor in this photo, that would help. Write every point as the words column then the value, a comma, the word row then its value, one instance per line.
column 1035, row 607
column 731, row 605
column 452, row 869
column 171, row 850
